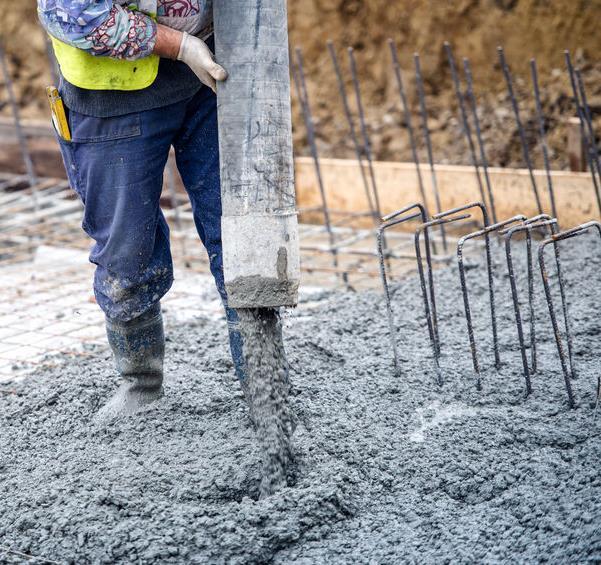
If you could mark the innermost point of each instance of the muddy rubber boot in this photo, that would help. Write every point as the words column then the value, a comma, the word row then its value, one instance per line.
column 139, row 349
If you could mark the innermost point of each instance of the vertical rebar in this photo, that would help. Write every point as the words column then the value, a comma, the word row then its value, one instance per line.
column 586, row 112
column 434, row 338
column 554, row 228
column 538, row 222
column 483, row 159
column 554, row 239
column 349, row 119
column 467, row 132
column 489, row 270
column 517, row 312
column 428, row 246
column 429, row 302
column 530, row 271
column 543, row 137
column 516, row 111
column 564, row 303
column 363, row 129
column 468, row 318
column 365, row 136
column 556, row 332
column 407, row 116
column 298, row 74
column 587, row 116
column 466, row 302
column 584, row 129
column 426, row 130
column 388, row 222
column 31, row 174
column 390, row 315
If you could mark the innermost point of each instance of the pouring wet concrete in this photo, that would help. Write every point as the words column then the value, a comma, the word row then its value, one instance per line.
column 386, row 468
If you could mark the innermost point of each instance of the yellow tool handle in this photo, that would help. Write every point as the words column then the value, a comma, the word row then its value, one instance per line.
column 59, row 117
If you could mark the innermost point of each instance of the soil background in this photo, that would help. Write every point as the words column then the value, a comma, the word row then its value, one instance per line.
column 526, row 28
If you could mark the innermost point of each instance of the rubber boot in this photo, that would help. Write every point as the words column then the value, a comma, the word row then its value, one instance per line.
column 139, row 349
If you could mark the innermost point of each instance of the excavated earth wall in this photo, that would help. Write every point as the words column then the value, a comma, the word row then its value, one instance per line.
column 526, row 28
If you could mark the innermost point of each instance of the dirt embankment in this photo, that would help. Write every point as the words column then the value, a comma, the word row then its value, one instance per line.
column 526, row 28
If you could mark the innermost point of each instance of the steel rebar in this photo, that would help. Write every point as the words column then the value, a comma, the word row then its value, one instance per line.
column 518, row 120
column 363, row 130
column 466, row 302
column 31, row 174
column 467, row 131
column 588, row 117
column 349, row 119
column 408, row 122
column 554, row 239
column 543, row 136
column 387, row 222
column 584, row 131
column 434, row 336
column 531, row 368
column 298, row 75
column 424, row 117
column 428, row 247
column 554, row 228
column 489, row 268
column 586, row 112
column 483, row 159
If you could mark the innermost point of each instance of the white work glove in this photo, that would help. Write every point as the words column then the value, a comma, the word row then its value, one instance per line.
column 195, row 53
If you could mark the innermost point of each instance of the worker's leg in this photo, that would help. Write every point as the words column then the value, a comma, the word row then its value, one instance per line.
column 117, row 169
column 116, row 166
column 197, row 152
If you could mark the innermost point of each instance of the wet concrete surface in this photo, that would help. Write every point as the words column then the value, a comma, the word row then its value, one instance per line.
column 387, row 468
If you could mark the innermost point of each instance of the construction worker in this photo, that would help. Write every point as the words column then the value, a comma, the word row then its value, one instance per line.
column 138, row 77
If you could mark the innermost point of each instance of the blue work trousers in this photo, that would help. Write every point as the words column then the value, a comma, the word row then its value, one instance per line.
column 116, row 167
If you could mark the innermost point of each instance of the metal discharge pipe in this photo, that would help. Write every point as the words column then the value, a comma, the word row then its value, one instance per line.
column 259, row 220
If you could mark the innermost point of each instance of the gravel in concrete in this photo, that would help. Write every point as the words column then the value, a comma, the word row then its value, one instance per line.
column 387, row 469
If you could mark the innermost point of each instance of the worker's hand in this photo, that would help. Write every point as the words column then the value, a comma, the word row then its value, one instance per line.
column 195, row 53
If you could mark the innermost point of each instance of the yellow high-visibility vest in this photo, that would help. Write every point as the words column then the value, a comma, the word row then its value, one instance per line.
column 103, row 73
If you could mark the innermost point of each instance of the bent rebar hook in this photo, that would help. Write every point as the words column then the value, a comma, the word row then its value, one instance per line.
column 430, row 302
column 489, row 267
column 390, row 221
column 466, row 301
column 555, row 238
column 537, row 222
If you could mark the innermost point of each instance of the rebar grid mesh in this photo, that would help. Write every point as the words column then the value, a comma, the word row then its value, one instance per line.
column 48, row 307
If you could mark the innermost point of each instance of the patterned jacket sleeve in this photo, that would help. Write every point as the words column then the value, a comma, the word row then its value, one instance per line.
column 100, row 27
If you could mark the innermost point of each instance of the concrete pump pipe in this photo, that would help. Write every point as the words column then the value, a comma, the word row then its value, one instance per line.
column 259, row 222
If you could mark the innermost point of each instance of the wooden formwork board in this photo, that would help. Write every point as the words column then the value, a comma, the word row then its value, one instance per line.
column 397, row 182
column 397, row 186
